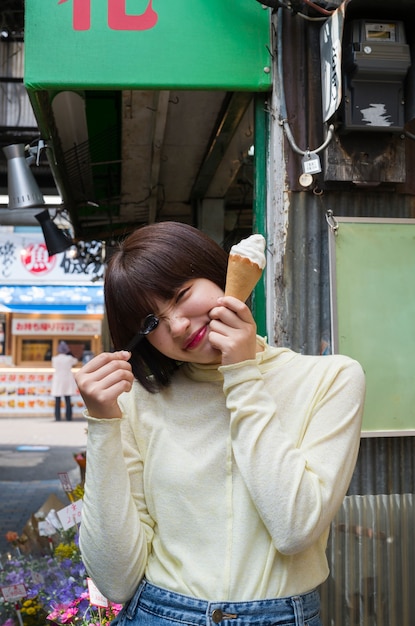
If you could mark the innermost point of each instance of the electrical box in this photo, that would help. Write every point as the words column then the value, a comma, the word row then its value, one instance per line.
column 376, row 59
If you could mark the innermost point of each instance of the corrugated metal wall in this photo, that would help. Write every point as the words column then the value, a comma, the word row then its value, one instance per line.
column 15, row 108
column 371, row 548
column 371, row 554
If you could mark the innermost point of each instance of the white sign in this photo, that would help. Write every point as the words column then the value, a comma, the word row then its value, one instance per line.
column 71, row 514
column 13, row 592
column 95, row 596
column 45, row 529
column 331, row 35
column 56, row 327
column 65, row 481
column 24, row 259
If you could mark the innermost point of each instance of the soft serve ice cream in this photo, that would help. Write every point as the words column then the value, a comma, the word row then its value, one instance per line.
column 245, row 266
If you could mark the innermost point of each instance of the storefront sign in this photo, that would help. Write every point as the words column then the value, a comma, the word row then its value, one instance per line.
column 31, row 281
column 117, row 16
column 62, row 327
column 63, row 299
column 147, row 44
column 24, row 259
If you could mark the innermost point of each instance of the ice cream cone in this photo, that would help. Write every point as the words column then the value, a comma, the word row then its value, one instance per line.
column 242, row 276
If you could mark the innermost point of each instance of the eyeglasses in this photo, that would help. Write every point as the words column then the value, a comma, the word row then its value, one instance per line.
column 150, row 323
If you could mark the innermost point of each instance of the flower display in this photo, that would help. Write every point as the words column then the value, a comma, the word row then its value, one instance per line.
column 79, row 611
column 55, row 584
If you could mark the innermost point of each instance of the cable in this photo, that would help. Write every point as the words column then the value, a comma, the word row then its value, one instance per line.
column 295, row 5
column 274, row 4
column 318, row 8
column 312, row 19
column 284, row 115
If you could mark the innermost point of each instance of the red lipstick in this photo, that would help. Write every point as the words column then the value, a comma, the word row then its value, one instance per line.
column 196, row 339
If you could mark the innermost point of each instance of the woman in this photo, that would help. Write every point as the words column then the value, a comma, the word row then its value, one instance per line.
column 216, row 463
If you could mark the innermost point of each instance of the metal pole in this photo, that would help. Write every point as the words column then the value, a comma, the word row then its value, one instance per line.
column 260, row 201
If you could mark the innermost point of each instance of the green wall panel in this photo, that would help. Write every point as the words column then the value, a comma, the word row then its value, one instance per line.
column 373, row 290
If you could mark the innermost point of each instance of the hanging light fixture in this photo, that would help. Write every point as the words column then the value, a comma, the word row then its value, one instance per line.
column 25, row 197
column 55, row 238
column 23, row 190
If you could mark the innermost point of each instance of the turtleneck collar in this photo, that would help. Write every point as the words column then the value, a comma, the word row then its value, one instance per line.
column 212, row 373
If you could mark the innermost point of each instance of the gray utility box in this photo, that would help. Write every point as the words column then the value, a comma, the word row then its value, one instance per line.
column 376, row 59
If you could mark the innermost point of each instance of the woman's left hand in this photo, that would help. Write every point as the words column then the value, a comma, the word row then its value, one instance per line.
column 233, row 330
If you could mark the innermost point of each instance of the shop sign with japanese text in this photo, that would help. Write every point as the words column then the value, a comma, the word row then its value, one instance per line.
column 24, row 259
column 147, row 44
column 85, row 327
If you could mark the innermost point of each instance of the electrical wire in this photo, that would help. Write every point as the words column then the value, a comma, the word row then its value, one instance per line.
column 275, row 4
column 283, row 106
column 312, row 19
column 289, row 5
column 318, row 8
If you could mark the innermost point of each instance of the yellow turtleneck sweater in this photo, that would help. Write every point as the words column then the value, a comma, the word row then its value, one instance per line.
column 223, row 486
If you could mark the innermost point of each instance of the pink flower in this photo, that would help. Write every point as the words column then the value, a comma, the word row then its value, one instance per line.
column 63, row 614
column 68, row 615
column 55, row 613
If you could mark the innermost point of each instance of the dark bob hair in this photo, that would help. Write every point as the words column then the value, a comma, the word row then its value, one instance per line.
column 153, row 263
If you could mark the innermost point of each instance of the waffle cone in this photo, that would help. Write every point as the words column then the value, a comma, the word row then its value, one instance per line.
column 241, row 277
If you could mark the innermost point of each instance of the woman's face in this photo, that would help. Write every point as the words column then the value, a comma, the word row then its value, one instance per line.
column 183, row 330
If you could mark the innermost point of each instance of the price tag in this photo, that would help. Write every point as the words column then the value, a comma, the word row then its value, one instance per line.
column 71, row 514
column 65, row 481
column 311, row 163
column 37, row 578
column 11, row 593
column 95, row 596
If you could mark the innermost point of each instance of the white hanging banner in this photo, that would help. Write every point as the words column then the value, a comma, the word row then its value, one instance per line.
column 331, row 35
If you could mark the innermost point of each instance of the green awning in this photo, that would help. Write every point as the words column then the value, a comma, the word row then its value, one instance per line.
column 147, row 44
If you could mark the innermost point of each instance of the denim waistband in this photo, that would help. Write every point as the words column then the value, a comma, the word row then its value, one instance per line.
column 176, row 607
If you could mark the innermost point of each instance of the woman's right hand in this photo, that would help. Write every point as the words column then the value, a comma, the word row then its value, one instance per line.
column 102, row 380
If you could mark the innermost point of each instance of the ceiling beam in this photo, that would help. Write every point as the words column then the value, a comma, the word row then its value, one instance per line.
column 229, row 119
column 157, row 145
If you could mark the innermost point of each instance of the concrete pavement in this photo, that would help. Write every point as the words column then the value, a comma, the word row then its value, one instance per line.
column 32, row 453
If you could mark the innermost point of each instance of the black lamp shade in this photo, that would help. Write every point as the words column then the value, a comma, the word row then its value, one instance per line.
column 55, row 239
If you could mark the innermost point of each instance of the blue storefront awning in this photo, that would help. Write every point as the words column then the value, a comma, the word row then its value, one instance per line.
column 76, row 299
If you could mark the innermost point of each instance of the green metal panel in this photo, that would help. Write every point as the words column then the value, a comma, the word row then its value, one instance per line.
column 373, row 289
column 260, row 203
column 147, row 44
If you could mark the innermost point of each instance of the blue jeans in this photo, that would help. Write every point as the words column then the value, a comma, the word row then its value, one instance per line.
column 154, row 606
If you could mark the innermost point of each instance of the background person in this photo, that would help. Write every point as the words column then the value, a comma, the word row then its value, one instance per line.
column 63, row 381
column 216, row 462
